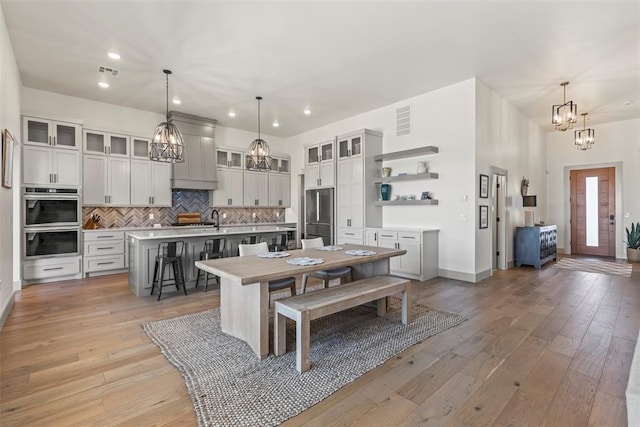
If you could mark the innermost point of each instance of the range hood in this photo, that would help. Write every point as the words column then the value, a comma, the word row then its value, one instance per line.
column 198, row 171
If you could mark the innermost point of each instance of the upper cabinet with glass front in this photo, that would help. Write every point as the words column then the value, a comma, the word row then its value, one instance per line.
column 51, row 133
column 350, row 146
column 317, row 153
column 140, row 147
column 280, row 164
column 107, row 144
column 229, row 158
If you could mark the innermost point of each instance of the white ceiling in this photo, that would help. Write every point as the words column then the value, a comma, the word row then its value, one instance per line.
column 337, row 58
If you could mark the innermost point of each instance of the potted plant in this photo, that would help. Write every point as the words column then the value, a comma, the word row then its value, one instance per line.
column 633, row 242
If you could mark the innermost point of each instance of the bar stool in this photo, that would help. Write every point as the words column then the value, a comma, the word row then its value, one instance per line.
column 213, row 248
column 325, row 275
column 169, row 254
column 280, row 242
column 252, row 239
column 274, row 285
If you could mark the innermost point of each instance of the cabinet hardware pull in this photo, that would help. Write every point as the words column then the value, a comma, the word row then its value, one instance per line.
column 55, row 177
column 49, row 140
column 109, row 150
column 50, row 177
column 105, row 199
column 105, row 248
column 149, row 200
column 375, row 236
column 104, row 236
column 54, row 141
column 52, row 268
column 386, row 235
column 350, row 234
column 229, row 201
column 407, row 237
column 153, row 199
column 105, row 263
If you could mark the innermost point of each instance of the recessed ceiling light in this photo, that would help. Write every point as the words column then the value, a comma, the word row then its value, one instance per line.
column 232, row 114
column 628, row 102
column 177, row 101
column 103, row 85
column 113, row 55
column 276, row 124
column 307, row 111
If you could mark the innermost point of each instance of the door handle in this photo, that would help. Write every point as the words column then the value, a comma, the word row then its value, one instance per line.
column 54, row 140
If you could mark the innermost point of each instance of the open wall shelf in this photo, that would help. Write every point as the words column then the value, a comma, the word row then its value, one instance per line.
column 408, row 177
column 404, row 202
column 414, row 152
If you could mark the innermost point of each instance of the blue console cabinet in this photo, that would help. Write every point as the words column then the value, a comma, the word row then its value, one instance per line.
column 535, row 245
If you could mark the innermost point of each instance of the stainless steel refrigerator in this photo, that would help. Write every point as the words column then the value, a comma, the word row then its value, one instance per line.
column 319, row 214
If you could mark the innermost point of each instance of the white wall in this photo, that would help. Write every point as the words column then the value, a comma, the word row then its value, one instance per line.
column 617, row 143
column 444, row 118
column 9, row 198
column 507, row 139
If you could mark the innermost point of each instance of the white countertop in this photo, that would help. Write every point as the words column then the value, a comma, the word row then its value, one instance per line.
column 178, row 232
column 190, row 227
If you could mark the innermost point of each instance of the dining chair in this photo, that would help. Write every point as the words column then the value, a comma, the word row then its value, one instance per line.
column 274, row 285
column 324, row 275
column 212, row 249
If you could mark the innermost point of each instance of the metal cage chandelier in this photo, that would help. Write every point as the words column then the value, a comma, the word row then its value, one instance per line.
column 167, row 144
column 585, row 137
column 258, row 154
column 563, row 116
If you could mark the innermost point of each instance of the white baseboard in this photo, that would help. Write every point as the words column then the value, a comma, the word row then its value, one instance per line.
column 7, row 309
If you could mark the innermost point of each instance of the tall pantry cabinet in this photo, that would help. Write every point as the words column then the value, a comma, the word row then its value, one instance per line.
column 356, row 190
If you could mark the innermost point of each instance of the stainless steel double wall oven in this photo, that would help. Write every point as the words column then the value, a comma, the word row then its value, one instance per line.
column 51, row 219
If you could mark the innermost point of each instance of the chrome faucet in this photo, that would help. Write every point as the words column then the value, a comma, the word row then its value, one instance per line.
column 215, row 217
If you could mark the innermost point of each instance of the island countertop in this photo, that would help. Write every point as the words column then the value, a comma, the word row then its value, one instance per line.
column 176, row 233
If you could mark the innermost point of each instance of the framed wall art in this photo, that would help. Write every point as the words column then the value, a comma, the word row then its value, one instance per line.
column 7, row 158
column 484, row 186
column 484, row 216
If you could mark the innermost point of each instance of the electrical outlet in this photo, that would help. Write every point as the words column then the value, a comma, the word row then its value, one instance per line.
column 151, row 216
column 254, row 215
column 224, row 215
column 277, row 214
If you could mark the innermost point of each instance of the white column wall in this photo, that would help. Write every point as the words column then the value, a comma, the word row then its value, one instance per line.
column 10, row 85
column 617, row 144
column 507, row 139
column 444, row 118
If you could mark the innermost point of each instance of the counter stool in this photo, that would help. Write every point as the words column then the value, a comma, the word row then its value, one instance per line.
column 213, row 248
column 169, row 254
column 251, row 239
column 280, row 242
column 274, row 285
column 325, row 275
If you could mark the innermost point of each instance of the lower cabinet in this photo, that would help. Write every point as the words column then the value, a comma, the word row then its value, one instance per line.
column 421, row 260
column 51, row 268
column 105, row 252
column 354, row 236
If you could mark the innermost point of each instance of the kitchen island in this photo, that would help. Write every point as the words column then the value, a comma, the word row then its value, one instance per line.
column 143, row 248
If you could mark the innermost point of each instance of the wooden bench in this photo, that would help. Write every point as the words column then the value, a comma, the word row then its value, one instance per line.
column 307, row 307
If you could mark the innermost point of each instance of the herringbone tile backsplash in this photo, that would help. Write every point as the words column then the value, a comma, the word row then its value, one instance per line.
column 183, row 201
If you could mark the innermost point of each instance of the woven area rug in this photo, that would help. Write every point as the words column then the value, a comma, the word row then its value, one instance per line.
column 230, row 386
column 594, row 266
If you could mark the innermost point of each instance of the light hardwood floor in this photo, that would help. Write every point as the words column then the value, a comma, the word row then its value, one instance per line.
column 550, row 347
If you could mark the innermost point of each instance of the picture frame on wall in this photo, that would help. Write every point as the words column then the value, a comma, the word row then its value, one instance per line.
column 484, row 186
column 7, row 158
column 484, row 216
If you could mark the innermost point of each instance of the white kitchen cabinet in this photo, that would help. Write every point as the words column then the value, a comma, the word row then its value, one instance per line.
column 50, row 166
column 44, row 269
column 51, row 133
column 105, row 252
column 106, row 144
column 280, row 164
column 320, row 165
column 229, row 158
column 150, row 183
column 350, row 146
column 256, row 189
column 230, row 190
column 279, row 190
column 140, row 147
column 106, row 181
column 349, row 235
column 421, row 260
column 356, row 191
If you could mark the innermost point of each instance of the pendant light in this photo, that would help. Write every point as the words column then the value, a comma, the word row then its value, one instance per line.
column 585, row 137
column 167, row 144
column 258, row 153
column 565, row 114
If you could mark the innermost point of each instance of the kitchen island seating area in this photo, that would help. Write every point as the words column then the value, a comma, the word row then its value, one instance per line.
column 213, row 249
column 325, row 275
column 169, row 254
column 244, row 291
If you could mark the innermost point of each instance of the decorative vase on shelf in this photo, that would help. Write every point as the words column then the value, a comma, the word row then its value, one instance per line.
column 385, row 191
column 422, row 167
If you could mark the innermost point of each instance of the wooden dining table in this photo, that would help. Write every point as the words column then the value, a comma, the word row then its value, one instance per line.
column 244, row 285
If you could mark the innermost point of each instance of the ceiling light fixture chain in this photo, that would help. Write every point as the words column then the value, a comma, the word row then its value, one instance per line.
column 167, row 144
column 258, row 156
column 563, row 116
column 585, row 138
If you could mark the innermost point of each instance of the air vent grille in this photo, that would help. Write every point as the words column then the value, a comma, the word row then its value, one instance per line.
column 403, row 121
column 108, row 70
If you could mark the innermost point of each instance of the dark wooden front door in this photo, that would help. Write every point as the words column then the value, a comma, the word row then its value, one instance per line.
column 593, row 228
